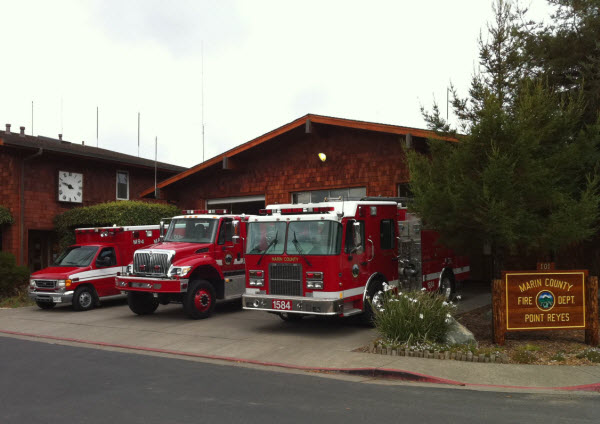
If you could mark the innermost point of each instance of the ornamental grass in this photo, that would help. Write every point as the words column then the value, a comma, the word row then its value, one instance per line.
column 413, row 317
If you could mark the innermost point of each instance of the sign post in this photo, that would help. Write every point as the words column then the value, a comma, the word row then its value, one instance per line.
column 545, row 300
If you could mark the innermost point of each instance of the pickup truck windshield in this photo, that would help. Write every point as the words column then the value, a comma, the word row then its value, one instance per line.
column 303, row 238
column 77, row 256
column 192, row 230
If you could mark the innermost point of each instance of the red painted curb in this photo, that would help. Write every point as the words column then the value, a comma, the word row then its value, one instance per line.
column 370, row 371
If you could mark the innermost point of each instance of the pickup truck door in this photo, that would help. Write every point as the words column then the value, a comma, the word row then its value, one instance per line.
column 230, row 257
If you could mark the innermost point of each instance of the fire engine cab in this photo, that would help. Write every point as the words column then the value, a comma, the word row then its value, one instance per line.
column 196, row 263
column 338, row 258
column 85, row 272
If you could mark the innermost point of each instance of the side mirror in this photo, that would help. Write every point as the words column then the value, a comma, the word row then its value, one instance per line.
column 162, row 231
column 357, row 236
column 236, row 232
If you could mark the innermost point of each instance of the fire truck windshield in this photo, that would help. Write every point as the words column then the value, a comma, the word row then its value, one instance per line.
column 308, row 238
column 77, row 256
column 192, row 230
column 265, row 236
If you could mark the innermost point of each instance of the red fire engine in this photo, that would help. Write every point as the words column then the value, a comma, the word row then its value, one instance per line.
column 336, row 258
column 85, row 272
column 195, row 264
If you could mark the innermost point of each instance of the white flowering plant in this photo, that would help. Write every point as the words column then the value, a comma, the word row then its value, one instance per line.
column 414, row 317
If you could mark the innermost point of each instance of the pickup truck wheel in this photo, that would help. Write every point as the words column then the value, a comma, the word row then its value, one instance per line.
column 45, row 305
column 199, row 302
column 84, row 299
column 142, row 303
column 290, row 317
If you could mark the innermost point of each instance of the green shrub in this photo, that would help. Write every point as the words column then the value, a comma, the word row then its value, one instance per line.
column 5, row 216
column 525, row 354
column 413, row 317
column 592, row 354
column 108, row 214
column 12, row 277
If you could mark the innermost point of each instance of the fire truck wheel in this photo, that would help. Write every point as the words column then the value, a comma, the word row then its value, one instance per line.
column 142, row 303
column 447, row 287
column 290, row 317
column 84, row 299
column 374, row 298
column 200, row 300
column 46, row 305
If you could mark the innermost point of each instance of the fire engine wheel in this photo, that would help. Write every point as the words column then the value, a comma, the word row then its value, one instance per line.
column 374, row 299
column 46, row 305
column 290, row 317
column 199, row 303
column 447, row 287
column 142, row 303
column 84, row 299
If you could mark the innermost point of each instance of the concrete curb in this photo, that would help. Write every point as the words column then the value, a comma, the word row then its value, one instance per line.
column 394, row 374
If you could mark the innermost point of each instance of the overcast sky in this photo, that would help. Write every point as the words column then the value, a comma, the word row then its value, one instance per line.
column 265, row 64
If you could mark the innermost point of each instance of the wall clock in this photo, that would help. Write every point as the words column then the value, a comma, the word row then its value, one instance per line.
column 70, row 187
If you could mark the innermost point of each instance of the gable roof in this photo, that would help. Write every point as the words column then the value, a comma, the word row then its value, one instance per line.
column 29, row 142
column 306, row 119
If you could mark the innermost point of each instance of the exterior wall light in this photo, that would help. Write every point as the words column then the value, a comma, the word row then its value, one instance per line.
column 323, row 157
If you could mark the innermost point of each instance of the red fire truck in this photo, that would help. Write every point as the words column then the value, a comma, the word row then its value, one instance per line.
column 85, row 272
column 195, row 264
column 338, row 258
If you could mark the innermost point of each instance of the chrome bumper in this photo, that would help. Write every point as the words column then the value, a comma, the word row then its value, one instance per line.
column 300, row 305
column 152, row 285
column 66, row 297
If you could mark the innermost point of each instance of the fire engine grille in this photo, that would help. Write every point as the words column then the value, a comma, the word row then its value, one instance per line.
column 45, row 284
column 285, row 279
column 151, row 263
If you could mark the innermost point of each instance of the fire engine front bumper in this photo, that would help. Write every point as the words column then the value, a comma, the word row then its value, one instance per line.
column 48, row 297
column 297, row 305
column 151, row 285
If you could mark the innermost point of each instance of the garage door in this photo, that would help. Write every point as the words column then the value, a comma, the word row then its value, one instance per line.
column 243, row 204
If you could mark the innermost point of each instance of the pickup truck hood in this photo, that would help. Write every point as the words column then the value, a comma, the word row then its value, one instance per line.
column 181, row 249
column 57, row 272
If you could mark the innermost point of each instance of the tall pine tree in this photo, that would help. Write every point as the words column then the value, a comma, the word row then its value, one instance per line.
column 523, row 178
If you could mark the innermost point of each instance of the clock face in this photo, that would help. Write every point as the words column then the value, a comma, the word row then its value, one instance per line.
column 70, row 187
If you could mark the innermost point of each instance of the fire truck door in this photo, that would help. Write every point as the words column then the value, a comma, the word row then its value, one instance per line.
column 356, row 257
column 229, row 257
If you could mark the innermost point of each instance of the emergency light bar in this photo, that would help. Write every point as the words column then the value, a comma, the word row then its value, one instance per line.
column 288, row 211
column 111, row 230
column 204, row 211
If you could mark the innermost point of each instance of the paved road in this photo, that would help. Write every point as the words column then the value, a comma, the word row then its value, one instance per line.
column 46, row 383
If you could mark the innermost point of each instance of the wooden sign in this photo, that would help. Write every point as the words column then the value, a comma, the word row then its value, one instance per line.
column 545, row 300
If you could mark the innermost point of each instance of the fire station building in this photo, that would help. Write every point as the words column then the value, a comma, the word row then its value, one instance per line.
column 306, row 160
column 42, row 177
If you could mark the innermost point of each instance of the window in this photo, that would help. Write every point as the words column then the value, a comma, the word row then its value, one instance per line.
column 106, row 258
column 122, row 185
column 192, row 230
column 226, row 233
column 386, row 233
column 349, row 245
column 77, row 256
column 404, row 191
column 315, row 196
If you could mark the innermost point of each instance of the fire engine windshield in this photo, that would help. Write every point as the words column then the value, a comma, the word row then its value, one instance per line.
column 192, row 230
column 314, row 238
column 300, row 237
column 77, row 256
column 265, row 237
